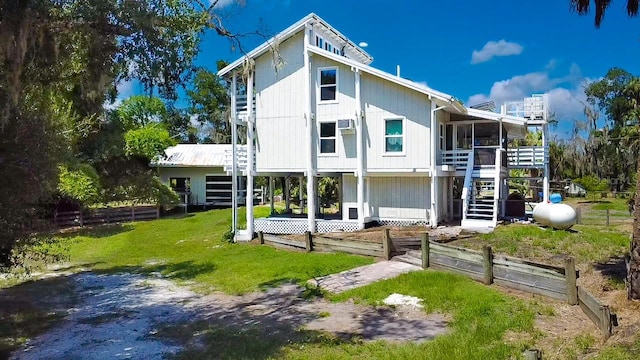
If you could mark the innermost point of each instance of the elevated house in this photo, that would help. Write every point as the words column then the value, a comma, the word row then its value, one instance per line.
column 404, row 153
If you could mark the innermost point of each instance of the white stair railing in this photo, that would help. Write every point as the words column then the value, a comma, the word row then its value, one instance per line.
column 496, row 186
column 241, row 159
column 466, row 190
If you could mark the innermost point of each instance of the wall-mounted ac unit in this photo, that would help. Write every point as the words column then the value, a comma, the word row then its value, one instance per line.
column 346, row 126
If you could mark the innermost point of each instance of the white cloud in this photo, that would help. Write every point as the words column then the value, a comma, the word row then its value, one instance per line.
column 566, row 93
column 495, row 48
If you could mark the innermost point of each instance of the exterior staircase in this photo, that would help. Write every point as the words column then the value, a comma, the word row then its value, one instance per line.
column 480, row 195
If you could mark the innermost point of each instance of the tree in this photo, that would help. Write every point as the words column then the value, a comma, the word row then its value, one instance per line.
column 208, row 101
column 59, row 61
column 632, row 93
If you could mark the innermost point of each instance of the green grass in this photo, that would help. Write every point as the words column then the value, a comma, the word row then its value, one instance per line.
column 480, row 317
column 588, row 244
column 191, row 249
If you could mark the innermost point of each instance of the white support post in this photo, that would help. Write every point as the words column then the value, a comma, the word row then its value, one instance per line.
column 271, row 195
column 250, row 150
column 234, row 155
column 311, row 193
column 301, row 195
column 360, row 151
column 433, row 216
column 287, row 194
column 545, row 146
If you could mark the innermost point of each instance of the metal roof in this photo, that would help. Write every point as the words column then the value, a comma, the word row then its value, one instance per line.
column 193, row 155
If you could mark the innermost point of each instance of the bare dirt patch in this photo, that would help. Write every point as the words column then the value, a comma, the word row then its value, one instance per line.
column 132, row 316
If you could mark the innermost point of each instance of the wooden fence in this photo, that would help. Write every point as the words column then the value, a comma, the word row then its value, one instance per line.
column 604, row 217
column 484, row 266
column 105, row 215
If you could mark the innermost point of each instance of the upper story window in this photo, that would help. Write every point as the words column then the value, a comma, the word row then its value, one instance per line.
column 328, row 137
column 464, row 136
column 393, row 135
column 328, row 84
column 441, row 136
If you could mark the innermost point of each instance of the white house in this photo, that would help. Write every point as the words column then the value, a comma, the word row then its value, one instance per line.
column 405, row 153
column 196, row 173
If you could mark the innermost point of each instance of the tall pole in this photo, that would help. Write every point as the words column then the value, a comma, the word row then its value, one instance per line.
column 360, row 148
column 250, row 150
column 311, row 191
column 234, row 156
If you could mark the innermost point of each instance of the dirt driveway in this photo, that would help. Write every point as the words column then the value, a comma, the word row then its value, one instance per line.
column 123, row 316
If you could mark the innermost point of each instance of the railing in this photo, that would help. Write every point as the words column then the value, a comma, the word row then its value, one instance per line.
column 467, row 185
column 241, row 104
column 241, row 159
column 457, row 158
column 527, row 156
column 496, row 190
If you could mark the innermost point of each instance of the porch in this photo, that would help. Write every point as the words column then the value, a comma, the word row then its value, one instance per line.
column 516, row 158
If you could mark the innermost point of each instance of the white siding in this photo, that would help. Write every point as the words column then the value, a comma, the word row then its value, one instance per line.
column 197, row 178
column 345, row 107
column 280, row 125
column 400, row 198
column 384, row 100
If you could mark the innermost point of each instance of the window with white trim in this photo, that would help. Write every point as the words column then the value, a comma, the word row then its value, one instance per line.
column 328, row 137
column 441, row 136
column 393, row 135
column 328, row 84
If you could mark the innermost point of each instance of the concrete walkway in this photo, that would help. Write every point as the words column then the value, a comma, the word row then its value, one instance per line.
column 361, row 276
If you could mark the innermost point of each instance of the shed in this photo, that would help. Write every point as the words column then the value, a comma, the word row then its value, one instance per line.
column 196, row 173
column 574, row 189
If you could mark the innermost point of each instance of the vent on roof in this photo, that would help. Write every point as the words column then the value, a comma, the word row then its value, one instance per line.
column 487, row 106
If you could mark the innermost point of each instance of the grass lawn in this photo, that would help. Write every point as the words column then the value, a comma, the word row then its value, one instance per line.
column 192, row 249
column 480, row 317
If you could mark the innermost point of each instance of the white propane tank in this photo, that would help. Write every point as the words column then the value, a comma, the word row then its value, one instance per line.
column 557, row 216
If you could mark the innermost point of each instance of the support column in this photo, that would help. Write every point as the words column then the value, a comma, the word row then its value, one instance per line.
column 545, row 179
column 311, row 194
column 271, row 195
column 360, row 151
column 340, row 195
column 287, row 194
column 234, row 155
column 300, row 195
column 250, row 156
column 433, row 218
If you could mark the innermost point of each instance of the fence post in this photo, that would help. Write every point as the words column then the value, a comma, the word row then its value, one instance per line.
column 533, row 354
column 570, row 275
column 487, row 264
column 308, row 241
column 261, row 237
column 157, row 211
column 578, row 215
column 80, row 217
column 386, row 244
column 133, row 213
column 425, row 250
column 605, row 321
column 608, row 222
column 108, row 211
column 55, row 216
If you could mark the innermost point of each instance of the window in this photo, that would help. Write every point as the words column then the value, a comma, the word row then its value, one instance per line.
column 393, row 135
column 328, row 84
column 449, row 137
column 328, row 137
column 441, row 136
column 180, row 184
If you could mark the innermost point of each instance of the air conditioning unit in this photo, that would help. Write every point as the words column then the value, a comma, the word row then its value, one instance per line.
column 346, row 126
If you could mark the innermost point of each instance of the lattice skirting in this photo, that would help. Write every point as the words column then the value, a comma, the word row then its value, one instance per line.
column 300, row 226
column 399, row 222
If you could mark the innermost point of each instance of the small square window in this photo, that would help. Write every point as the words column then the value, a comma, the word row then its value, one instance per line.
column 393, row 135
column 328, row 84
column 328, row 137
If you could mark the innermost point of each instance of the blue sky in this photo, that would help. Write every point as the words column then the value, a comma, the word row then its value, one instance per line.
column 474, row 50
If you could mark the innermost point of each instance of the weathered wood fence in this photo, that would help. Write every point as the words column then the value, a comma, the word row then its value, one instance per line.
column 529, row 276
column 105, row 215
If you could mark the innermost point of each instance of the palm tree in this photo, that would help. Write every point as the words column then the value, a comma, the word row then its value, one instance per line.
column 633, row 93
column 582, row 7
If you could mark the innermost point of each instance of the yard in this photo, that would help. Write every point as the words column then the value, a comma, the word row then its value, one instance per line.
column 249, row 301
